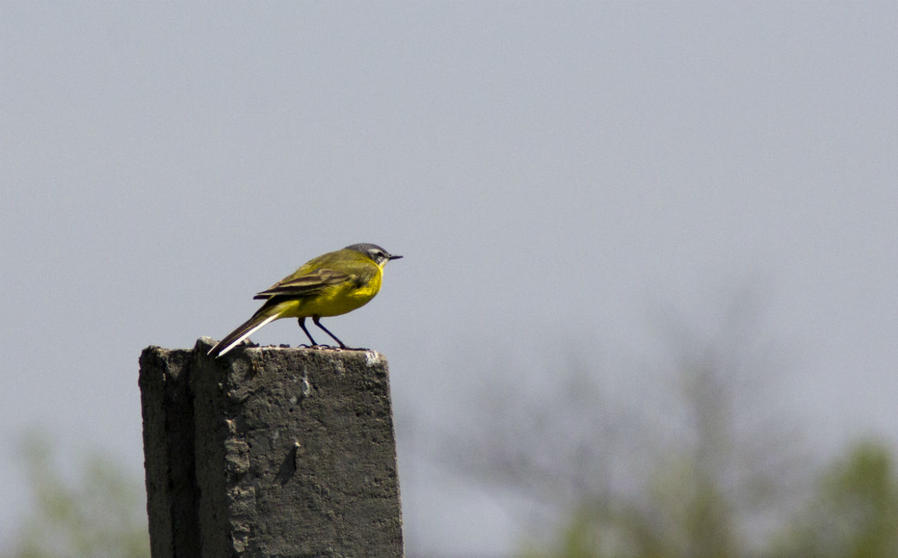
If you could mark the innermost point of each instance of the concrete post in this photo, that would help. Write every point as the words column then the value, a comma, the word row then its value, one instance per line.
column 269, row 452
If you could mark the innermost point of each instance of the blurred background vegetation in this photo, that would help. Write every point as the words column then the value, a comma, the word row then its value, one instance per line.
column 95, row 510
column 852, row 512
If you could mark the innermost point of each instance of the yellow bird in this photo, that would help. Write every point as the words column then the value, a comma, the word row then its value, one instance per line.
column 329, row 285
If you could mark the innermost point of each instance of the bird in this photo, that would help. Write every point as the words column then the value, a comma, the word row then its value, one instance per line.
column 331, row 284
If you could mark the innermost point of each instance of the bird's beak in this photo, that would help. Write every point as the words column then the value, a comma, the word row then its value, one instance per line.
column 392, row 257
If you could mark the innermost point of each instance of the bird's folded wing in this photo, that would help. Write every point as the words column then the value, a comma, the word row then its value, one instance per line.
column 303, row 285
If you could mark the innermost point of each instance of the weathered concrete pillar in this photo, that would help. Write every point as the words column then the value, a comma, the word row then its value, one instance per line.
column 269, row 452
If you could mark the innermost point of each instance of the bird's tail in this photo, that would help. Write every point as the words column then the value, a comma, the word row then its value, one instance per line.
column 247, row 328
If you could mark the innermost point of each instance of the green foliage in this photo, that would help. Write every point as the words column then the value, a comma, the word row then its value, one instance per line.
column 97, row 515
column 577, row 539
column 687, row 517
column 853, row 513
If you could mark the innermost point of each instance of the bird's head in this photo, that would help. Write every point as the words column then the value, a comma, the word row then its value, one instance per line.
column 374, row 252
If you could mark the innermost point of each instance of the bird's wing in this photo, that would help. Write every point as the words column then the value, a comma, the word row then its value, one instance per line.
column 305, row 284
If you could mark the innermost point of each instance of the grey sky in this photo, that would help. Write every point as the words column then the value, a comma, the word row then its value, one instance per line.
column 553, row 174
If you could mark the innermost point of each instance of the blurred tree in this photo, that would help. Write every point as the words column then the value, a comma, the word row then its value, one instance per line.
column 698, row 496
column 854, row 513
column 692, row 463
column 96, row 515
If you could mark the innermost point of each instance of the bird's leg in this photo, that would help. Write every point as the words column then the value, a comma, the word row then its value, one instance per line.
column 327, row 331
column 302, row 324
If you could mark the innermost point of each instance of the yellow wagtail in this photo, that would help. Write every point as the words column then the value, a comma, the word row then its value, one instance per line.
column 329, row 285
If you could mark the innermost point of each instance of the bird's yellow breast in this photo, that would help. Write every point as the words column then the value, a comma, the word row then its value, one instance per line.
column 337, row 299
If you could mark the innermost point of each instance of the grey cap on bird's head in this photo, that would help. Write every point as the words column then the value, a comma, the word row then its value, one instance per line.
column 373, row 251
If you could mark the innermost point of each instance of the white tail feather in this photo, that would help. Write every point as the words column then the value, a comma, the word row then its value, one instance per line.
column 245, row 335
